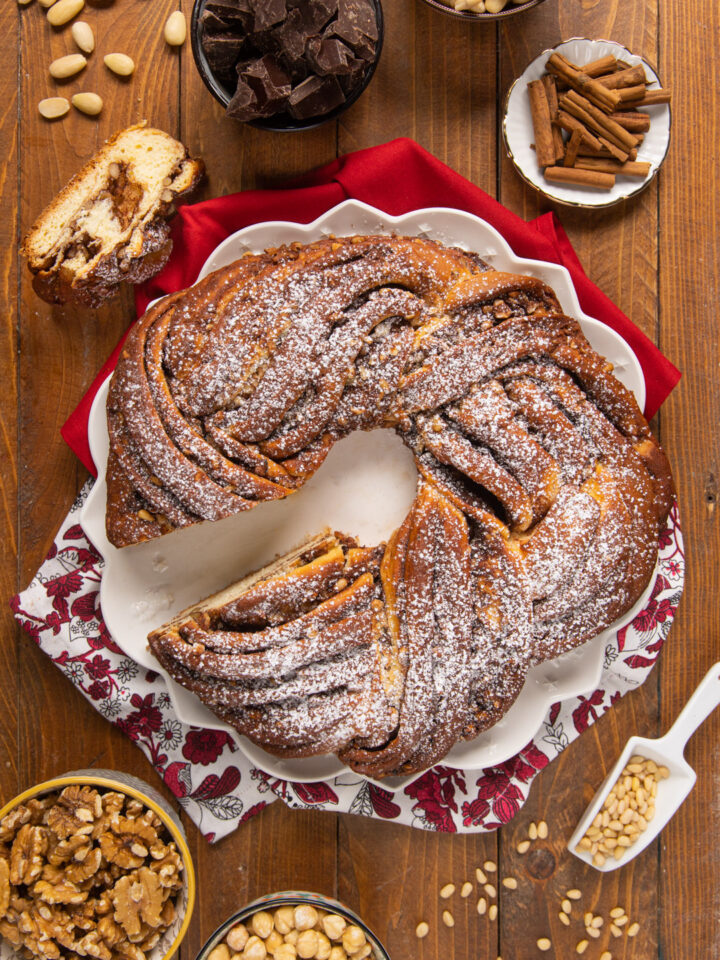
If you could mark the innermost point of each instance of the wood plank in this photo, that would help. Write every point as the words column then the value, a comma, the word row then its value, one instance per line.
column 435, row 83
column 9, row 692
column 689, row 278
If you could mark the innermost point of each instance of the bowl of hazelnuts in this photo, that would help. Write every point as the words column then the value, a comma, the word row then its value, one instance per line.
column 291, row 925
column 93, row 864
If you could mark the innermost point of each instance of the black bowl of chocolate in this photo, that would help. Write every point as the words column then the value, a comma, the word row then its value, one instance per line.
column 286, row 64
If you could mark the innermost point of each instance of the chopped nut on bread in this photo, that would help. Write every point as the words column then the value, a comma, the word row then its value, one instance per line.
column 109, row 224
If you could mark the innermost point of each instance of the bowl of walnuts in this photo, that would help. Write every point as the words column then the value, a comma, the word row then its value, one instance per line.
column 294, row 924
column 94, row 864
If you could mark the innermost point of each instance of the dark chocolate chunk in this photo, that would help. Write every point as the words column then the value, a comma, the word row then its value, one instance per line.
column 268, row 13
column 270, row 84
column 356, row 19
column 328, row 55
column 244, row 105
column 315, row 97
column 223, row 52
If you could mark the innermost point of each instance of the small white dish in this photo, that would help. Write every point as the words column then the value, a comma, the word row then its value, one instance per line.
column 518, row 131
column 666, row 751
column 364, row 488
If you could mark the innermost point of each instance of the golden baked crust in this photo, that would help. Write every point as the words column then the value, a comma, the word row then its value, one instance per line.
column 109, row 224
column 540, row 500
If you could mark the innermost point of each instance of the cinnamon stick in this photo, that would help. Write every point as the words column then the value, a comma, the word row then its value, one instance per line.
column 602, row 165
column 581, row 108
column 552, row 99
column 584, row 178
column 566, row 122
column 606, row 100
column 540, row 112
column 572, row 148
column 624, row 78
column 587, row 151
column 632, row 93
column 596, row 68
column 632, row 120
column 654, row 96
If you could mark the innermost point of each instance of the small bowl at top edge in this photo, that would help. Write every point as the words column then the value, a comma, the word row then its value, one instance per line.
column 511, row 10
column 290, row 898
column 281, row 122
column 138, row 790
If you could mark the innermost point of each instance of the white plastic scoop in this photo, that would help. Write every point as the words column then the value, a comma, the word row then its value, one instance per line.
column 666, row 751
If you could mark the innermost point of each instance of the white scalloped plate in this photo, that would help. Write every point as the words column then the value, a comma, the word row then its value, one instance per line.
column 365, row 488
column 517, row 127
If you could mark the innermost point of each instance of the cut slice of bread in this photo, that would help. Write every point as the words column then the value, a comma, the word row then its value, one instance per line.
column 109, row 224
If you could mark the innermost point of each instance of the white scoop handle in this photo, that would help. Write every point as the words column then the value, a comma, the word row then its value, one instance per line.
column 698, row 708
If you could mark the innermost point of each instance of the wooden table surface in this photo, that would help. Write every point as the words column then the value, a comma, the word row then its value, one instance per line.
column 443, row 84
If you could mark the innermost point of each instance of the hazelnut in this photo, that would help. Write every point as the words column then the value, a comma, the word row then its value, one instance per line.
column 237, row 937
column 292, row 936
column 337, row 953
column 284, row 920
column 305, row 917
column 262, row 924
column 334, row 926
column 353, row 939
column 221, row 952
column 273, row 941
column 323, row 948
column 307, row 944
column 254, row 950
column 286, row 951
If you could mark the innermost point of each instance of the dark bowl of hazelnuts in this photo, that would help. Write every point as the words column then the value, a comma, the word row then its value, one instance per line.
column 286, row 65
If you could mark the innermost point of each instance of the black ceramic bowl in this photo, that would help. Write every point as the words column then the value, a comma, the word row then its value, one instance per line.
column 510, row 10
column 280, row 121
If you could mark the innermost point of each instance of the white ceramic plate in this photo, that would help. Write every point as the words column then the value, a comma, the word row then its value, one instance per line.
column 517, row 127
column 364, row 488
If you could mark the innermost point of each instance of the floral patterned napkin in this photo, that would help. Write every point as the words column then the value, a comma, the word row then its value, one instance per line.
column 220, row 789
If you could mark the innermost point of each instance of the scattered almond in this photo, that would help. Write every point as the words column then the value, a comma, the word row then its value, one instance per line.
column 53, row 108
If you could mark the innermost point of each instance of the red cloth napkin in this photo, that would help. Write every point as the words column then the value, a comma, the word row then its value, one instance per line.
column 396, row 177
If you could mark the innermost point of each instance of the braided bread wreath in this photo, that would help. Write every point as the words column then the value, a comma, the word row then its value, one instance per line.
column 541, row 490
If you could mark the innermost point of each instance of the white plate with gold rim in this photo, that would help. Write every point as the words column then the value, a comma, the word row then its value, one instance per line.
column 364, row 488
column 518, row 131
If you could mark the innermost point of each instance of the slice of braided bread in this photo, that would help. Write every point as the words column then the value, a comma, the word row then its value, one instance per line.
column 109, row 224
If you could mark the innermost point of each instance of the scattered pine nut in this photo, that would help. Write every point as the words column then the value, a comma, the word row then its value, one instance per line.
column 82, row 34
column 53, row 108
column 176, row 29
column 89, row 103
column 67, row 66
column 523, row 846
column 490, row 866
column 566, row 905
column 564, row 918
column 582, row 946
column 634, row 929
column 592, row 932
column 490, row 890
column 533, row 831
column 24, row 3
column 120, row 63
column 621, row 921
column 492, row 912
column 587, row 919
column 482, row 906
column 542, row 830
column 422, row 930
column 573, row 894
column 606, row 955
column 615, row 931
column 448, row 919
column 481, row 878
column 510, row 882
column 543, row 944
column 597, row 922
column 447, row 891
column 617, row 912
column 63, row 11
column 466, row 889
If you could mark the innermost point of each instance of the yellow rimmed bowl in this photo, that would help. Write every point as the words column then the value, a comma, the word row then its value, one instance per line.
column 293, row 898
column 138, row 790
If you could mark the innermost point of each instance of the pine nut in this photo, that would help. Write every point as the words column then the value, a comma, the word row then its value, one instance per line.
column 120, row 63
column 543, row 944
column 466, row 889
column 582, row 946
column 592, row 932
column 482, row 906
column 490, row 866
column 633, row 929
column 422, row 930
column 542, row 830
column 510, row 882
column 597, row 922
column 492, row 912
column 447, row 891
column 176, row 29
column 82, row 34
column 617, row 912
column 621, row 921
column 533, row 830
column 448, row 919
column 587, row 918
column 24, row 3
column 574, row 894
column 566, row 905
column 490, row 890
column 46, row 3
column 606, row 955
column 481, row 878
column 63, row 11
column 523, row 846
column 67, row 66
column 89, row 103
column 599, row 860
column 615, row 931
column 53, row 108
column 564, row 918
